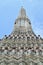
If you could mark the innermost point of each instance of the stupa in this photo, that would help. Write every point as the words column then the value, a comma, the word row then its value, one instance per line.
column 22, row 46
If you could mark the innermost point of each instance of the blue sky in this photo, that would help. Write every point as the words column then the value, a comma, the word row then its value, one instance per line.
column 9, row 10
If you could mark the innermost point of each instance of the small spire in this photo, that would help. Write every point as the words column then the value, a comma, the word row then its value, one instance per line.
column 22, row 12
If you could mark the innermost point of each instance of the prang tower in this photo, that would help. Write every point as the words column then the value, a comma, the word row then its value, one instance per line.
column 22, row 46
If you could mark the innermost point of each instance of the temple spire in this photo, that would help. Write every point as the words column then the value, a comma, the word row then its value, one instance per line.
column 22, row 12
column 22, row 23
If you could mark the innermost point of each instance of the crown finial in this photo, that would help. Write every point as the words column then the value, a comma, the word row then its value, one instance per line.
column 22, row 12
